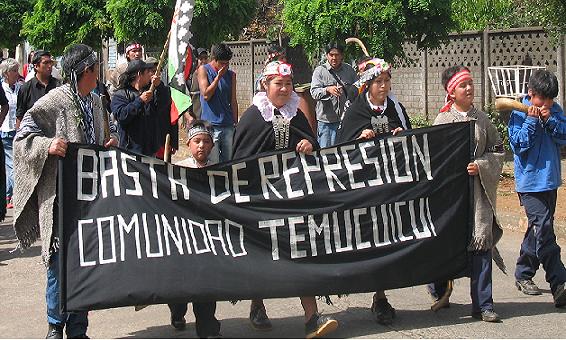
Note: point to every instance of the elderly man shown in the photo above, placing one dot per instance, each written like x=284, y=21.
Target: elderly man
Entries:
x=38, y=86
x=70, y=113
x=332, y=89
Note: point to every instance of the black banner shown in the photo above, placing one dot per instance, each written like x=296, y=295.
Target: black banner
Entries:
x=387, y=213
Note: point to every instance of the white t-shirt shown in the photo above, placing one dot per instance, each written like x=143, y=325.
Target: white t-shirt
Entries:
x=12, y=96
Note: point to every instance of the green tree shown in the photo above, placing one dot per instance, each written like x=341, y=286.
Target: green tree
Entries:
x=482, y=14
x=148, y=22
x=502, y=14
x=551, y=14
x=11, y=13
x=383, y=25
x=55, y=24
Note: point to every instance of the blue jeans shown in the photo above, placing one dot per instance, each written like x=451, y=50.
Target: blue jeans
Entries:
x=8, y=141
x=327, y=133
x=76, y=323
x=223, y=137
x=539, y=244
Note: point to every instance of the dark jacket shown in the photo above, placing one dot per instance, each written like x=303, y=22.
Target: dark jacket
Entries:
x=358, y=118
x=141, y=127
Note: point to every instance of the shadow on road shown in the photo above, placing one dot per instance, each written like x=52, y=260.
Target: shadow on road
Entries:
x=6, y=254
x=358, y=322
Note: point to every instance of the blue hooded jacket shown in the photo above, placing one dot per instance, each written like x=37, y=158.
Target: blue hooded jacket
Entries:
x=536, y=148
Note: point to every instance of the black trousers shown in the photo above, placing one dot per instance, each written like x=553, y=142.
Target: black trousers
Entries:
x=206, y=323
x=539, y=244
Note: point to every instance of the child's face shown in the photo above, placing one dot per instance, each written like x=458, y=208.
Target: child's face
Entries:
x=463, y=94
x=540, y=101
x=200, y=147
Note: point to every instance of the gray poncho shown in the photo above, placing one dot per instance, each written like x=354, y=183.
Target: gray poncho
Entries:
x=489, y=157
x=35, y=172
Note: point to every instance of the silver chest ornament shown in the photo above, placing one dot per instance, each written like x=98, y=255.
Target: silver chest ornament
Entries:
x=281, y=130
x=380, y=124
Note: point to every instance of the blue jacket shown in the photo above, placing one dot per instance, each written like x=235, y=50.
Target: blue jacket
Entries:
x=536, y=149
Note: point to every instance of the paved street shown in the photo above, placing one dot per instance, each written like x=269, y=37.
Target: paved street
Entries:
x=22, y=308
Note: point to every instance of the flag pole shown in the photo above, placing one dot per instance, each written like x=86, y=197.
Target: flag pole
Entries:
x=161, y=59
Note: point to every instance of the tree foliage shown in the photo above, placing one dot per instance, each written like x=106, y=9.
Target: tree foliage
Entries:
x=551, y=14
x=11, y=13
x=502, y=14
x=55, y=24
x=144, y=21
x=482, y=14
x=383, y=25
x=148, y=22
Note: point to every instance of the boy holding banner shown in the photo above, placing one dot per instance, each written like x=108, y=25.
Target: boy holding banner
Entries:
x=69, y=113
x=485, y=168
x=275, y=122
x=199, y=141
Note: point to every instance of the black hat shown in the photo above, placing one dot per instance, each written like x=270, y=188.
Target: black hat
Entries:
x=201, y=50
x=136, y=66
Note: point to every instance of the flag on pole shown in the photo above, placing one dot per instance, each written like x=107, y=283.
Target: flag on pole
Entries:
x=181, y=61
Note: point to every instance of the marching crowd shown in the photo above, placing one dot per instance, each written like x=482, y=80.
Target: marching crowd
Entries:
x=41, y=115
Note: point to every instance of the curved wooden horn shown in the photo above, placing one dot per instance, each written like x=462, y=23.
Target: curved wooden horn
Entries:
x=508, y=104
x=360, y=43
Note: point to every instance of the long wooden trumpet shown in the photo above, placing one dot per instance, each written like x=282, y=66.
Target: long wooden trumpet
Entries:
x=360, y=43
x=508, y=104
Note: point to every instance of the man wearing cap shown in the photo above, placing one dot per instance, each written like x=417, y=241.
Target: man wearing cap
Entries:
x=135, y=109
x=332, y=88
x=38, y=86
x=70, y=113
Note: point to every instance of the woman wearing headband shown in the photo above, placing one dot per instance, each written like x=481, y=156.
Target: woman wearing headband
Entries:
x=375, y=111
x=274, y=122
x=485, y=169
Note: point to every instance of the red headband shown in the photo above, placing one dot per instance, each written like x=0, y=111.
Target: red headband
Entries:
x=456, y=80
x=133, y=47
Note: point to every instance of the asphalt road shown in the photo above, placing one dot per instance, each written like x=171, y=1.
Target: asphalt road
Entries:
x=22, y=308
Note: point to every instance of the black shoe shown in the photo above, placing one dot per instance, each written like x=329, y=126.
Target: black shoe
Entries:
x=560, y=296
x=384, y=313
x=487, y=315
x=259, y=319
x=54, y=332
x=82, y=336
x=319, y=325
x=528, y=287
x=178, y=323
